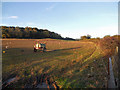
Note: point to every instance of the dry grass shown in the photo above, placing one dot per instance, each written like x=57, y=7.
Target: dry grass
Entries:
x=66, y=62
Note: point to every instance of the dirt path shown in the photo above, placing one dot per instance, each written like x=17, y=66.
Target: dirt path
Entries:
x=111, y=81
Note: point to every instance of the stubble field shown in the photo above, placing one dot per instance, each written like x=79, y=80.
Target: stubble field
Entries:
x=65, y=64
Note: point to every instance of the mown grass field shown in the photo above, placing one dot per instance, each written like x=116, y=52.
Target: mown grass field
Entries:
x=69, y=64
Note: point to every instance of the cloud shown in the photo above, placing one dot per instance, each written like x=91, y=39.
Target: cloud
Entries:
x=51, y=7
x=13, y=17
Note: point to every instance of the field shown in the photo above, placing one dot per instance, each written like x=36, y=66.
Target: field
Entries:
x=65, y=64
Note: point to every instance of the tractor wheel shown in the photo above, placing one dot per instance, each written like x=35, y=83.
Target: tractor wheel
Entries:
x=43, y=49
x=35, y=50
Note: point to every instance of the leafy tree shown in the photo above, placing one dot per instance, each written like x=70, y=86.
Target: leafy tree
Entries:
x=28, y=32
x=98, y=38
x=83, y=37
x=88, y=36
x=106, y=36
x=18, y=33
x=3, y=36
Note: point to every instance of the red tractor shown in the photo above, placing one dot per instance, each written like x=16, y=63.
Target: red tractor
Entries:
x=39, y=46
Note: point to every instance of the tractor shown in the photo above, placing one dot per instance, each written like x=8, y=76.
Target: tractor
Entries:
x=39, y=46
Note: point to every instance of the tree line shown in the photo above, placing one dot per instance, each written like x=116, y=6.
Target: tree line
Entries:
x=28, y=33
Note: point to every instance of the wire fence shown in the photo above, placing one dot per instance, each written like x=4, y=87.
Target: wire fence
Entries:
x=115, y=62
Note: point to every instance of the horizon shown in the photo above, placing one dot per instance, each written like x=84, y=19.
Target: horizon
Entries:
x=67, y=19
x=60, y=34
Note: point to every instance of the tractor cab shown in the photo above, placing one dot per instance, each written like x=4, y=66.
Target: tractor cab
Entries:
x=40, y=46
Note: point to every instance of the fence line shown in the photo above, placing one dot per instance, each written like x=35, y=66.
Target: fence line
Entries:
x=111, y=80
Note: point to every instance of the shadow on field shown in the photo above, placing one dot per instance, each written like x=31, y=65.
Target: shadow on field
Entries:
x=64, y=49
x=19, y=51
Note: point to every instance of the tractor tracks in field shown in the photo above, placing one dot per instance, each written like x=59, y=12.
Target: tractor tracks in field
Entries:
x=42, y=81
x=85, y=62
x=90, y=55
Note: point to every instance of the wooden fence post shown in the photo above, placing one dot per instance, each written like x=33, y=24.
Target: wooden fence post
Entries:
x=108, y=68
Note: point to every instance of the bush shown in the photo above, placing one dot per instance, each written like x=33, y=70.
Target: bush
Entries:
x=108, y=45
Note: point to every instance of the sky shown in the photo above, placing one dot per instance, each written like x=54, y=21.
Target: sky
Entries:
x=70, y=19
